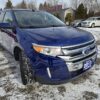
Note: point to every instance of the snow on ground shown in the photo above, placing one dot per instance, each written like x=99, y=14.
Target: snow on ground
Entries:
x=94, y=31
x=86, y=87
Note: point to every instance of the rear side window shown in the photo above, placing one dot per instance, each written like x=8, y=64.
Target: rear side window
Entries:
x=98, y=18
x=1, y=16
x=8, y=18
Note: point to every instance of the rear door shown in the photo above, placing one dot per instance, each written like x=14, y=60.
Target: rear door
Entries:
x=98, y=21
x=8, y=35
x=95, y=21
x=1, y=20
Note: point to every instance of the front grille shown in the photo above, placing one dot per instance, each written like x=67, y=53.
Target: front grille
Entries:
x=80, y=52
x=79, y=46
x=84, y=58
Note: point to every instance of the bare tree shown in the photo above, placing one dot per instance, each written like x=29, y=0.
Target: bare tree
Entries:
x=98, y=5
x=22, y=5
x=92, y=5
x=53, y=2
x=32, y=4
x=75, y=3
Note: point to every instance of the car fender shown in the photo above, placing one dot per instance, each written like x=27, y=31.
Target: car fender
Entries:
x=16, y=45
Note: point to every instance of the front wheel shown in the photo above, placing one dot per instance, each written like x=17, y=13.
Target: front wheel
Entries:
x=25, y=69
x=93, y=25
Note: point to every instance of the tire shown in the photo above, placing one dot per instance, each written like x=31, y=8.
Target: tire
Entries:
x=93, y=25
x=25, y=69
x=80, y=25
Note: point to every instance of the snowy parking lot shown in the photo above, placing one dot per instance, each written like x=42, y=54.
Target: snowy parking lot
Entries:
x=86, y=87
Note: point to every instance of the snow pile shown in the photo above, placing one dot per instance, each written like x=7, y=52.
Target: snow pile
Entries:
x=94, y=31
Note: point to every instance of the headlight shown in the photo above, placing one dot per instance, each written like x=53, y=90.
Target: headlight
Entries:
x=52, y=51
x=89, y=22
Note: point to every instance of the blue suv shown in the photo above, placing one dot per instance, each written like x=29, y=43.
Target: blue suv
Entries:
x=48, y=51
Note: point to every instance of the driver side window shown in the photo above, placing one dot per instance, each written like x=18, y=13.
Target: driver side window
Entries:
x=8, y=18
x=1, y=16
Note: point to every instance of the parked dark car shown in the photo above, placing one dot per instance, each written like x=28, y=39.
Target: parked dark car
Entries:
x=77, y=23
x=48, y=51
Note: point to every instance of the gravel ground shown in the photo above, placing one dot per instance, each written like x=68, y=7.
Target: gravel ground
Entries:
x=86, y=87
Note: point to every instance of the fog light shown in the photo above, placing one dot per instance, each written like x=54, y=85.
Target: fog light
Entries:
x=74, y=67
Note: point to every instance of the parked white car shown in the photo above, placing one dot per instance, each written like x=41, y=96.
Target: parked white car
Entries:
x=91, y=22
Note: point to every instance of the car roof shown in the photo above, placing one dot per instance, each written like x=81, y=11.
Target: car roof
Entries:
x=19, y=9
x=22, y=10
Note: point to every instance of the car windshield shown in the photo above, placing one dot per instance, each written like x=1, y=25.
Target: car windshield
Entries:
x=31, y=19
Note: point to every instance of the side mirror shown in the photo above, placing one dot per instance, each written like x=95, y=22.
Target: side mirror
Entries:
x=6, y=25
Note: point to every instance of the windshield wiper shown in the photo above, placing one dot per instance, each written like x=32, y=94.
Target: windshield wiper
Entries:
x=29, y=27
x=42, y=26
x=56, y=25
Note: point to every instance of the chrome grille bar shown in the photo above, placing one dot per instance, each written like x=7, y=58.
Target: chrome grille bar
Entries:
x=77, y=50
x=81, y=61
x=78, y=53
x=82, y=44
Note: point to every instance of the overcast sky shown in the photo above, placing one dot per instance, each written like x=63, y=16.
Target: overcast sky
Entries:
x=65, y=2
x=2, y=2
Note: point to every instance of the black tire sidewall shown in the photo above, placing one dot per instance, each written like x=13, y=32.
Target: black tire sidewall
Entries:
x=23, y=68
x=93, y=25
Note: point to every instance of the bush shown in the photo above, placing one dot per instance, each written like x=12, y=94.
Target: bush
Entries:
x=69, y=18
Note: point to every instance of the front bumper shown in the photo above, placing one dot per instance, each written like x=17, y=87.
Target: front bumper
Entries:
x=59, y=72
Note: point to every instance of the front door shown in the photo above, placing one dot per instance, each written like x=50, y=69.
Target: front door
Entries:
x=7, y=34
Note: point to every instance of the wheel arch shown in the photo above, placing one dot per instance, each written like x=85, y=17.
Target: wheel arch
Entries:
x=16, y=52
x=93, y=23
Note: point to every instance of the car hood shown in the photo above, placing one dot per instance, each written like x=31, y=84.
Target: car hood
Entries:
x=88, y=21
x=57, y=36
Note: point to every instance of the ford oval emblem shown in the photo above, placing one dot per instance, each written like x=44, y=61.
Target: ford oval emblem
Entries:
x=86, y=51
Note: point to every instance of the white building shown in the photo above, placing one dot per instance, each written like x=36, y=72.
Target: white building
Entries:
x=58, y=10
x=63, y=13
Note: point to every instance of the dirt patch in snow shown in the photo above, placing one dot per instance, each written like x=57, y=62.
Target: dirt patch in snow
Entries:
x=82, y=78
x=7, y=71
x=98, y=42
x=1, y=48
x=99, y=85
x=62, y=90
x=2, y=73
x=27, y=89
x=90, y=95
x=8, y=87
x=3, y=98
x=98, y=61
